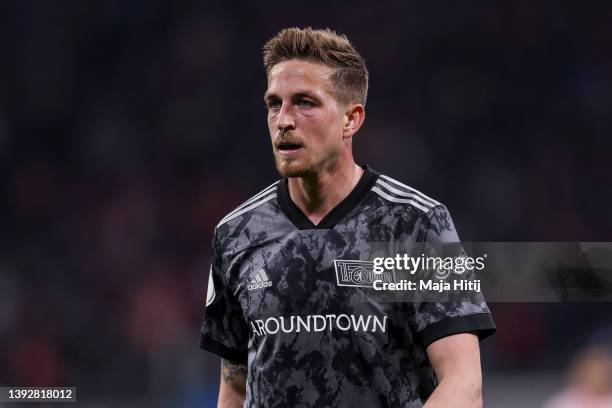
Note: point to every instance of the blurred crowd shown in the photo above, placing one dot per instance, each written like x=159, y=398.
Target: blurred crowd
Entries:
x=128, y=129
x=589, y=381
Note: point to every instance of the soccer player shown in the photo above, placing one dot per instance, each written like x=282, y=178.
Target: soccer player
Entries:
x=289, y=327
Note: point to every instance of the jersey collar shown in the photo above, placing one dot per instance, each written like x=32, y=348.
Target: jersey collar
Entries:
x=301, y=221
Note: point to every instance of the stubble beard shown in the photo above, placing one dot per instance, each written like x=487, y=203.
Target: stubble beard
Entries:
x=294, y=168
x=306, y=167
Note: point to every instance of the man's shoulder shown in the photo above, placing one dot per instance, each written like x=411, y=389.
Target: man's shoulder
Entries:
x=395, y=193
x=253, y=204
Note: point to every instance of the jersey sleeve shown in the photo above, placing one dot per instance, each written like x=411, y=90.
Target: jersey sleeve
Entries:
x=224, y=330
x=459, y=312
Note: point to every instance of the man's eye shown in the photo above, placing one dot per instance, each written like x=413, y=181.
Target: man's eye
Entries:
x=273, y=105
x=306, y=103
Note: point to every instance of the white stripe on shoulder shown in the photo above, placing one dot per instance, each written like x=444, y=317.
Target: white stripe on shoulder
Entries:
x=401, y=193
x=397, y=183
x=235, y=214
x=254, y=198
x=400, y=200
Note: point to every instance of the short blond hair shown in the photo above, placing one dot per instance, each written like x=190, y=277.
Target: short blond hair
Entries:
x=349, y=78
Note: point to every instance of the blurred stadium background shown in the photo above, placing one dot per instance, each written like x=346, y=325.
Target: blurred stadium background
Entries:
x=129, y=128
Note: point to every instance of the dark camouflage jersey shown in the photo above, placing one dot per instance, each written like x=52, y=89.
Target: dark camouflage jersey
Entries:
x=279, y=300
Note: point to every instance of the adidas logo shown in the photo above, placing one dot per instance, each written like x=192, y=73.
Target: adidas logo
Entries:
x=260, y=280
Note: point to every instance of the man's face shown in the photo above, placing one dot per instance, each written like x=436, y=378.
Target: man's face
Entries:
x=305, y=120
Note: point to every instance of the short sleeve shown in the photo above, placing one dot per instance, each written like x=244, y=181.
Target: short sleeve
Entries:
x=224, y=330
x=462, y=311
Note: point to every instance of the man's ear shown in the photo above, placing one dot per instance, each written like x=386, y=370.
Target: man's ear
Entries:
x=353, y=119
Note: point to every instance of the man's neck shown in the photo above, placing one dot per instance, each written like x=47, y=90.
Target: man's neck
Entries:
x=318, y=194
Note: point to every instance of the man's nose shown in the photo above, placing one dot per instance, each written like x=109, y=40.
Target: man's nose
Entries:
x=285, y=118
